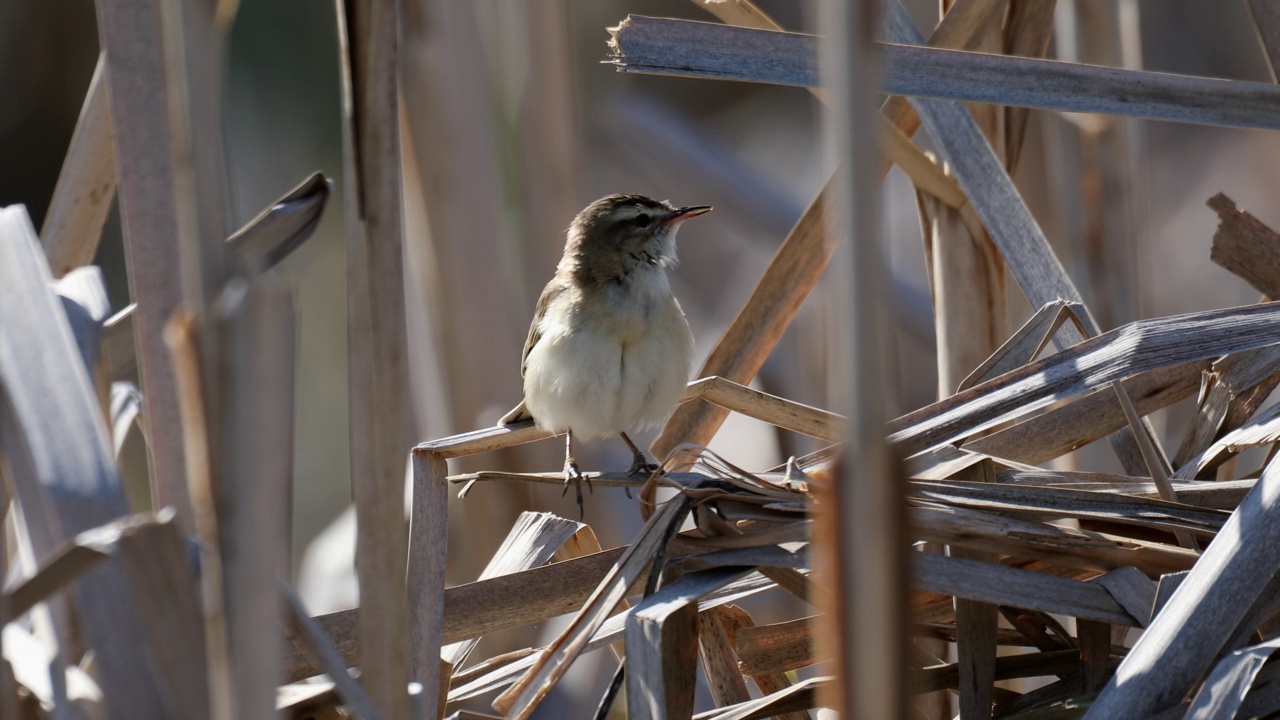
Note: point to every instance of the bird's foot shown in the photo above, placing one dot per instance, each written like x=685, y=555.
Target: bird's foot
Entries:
x=572, y=474
x=640, y=465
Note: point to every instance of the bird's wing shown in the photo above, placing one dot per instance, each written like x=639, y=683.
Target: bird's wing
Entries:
x=553, y=289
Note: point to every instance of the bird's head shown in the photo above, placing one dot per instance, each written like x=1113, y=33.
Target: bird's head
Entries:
x=628, y=232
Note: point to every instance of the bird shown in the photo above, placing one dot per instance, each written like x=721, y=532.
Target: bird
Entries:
x=609, y=349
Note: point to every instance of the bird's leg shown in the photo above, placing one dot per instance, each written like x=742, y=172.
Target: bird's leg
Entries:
x=640, y=465
x=573, y=474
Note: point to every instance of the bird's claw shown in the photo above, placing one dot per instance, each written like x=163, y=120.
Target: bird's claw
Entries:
x=572, y=474
x=641, y=466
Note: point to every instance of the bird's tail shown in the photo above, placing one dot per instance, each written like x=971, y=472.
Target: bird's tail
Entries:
x=519, y=413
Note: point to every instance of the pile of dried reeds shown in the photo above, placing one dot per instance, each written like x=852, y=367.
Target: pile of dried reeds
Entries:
x=1148, y=592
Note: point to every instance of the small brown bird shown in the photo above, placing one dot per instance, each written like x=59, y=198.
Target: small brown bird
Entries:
x=609, y=348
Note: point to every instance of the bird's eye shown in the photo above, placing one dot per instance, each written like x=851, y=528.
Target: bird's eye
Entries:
x=641, y=220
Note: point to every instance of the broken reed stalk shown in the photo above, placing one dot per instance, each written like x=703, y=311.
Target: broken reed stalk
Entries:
x=62, y=467
x=144, y=150
x=966, y=279
x=860, y=543
x=257, y=360
x=376, y=332
x=87, y=185
x=707, y=50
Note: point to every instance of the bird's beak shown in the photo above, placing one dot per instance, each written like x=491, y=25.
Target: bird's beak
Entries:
x=689, y=211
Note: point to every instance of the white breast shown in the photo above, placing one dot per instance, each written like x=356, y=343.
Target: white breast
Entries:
x=610, y=362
